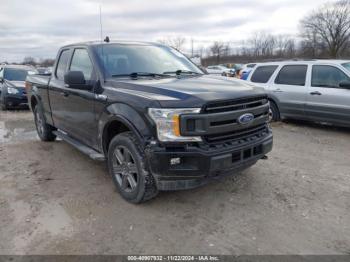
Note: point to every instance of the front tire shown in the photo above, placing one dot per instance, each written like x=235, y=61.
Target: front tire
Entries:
x=274, y=113
x=128, y=168
x=44, y=130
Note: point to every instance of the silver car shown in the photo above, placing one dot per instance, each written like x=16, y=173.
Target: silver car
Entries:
x=316, y=90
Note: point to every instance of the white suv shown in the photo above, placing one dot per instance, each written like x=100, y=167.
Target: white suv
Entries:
x=316, y=90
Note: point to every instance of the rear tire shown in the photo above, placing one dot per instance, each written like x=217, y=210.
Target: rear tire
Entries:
x=274, y=113
x=128, y=168
x=44, y=130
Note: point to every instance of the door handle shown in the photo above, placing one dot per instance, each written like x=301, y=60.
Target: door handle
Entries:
x=65, y=94
x=316, y=93
x=277, y=90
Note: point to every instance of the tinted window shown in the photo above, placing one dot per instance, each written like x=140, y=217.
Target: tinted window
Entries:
x=347, y=66
x=292, y=75
x=327, y=76
x=120, y=59
x=62, y=64
x=263, y=73
x=13, y=74
x=81, y=62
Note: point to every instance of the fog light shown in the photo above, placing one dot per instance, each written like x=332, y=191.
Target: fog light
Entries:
x=175, y=161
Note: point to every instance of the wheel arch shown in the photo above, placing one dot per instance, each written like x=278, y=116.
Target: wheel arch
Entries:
x=116, y=125
x=119, y=118
x=274, y=100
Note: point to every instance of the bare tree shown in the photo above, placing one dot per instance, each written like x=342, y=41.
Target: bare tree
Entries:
x=28, y=60
x=262, y=44
x=177, y=42
x=47, y=62
x=285, y=46
x=329, y=24
x=217, y=50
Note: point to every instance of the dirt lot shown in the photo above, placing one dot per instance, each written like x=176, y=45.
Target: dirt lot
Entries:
x=54, y=200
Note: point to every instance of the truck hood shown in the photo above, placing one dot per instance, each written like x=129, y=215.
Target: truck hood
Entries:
x=193, y=91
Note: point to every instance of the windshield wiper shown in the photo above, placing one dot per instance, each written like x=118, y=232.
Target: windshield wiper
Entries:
x=137, y=74
x=180, y=72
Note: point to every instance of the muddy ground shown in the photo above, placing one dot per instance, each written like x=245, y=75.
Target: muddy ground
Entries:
x=55, y=200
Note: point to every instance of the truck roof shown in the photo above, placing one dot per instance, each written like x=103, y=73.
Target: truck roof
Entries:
x=120, y=42
x=310, y=61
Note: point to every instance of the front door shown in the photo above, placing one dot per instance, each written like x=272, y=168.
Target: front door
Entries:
x=81, y=123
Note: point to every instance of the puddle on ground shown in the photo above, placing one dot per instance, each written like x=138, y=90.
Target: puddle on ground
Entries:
x=17, y=130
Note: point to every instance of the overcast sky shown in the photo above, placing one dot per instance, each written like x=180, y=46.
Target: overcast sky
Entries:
x=39, y=27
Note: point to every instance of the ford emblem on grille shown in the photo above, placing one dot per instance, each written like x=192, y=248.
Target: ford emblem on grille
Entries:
x=246, y=118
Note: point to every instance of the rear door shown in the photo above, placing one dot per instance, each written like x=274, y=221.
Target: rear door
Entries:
x=326, y=100
x=289, y=89
x=57, y=94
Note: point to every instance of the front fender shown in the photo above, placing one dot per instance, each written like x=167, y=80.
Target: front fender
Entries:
x=127, y=115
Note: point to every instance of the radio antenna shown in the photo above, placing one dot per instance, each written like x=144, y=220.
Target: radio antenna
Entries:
x=101, y=33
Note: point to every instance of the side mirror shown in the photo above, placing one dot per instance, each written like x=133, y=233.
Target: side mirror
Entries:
x=76, y=80
x=345, y=84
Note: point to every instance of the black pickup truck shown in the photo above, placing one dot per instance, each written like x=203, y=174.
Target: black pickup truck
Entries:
x=158, y=120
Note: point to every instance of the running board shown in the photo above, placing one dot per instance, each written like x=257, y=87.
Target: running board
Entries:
x=82, y=148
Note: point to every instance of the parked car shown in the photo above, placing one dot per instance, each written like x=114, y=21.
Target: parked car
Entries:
x=12, y=85
x=44, y=70
x=220, y=70
x=160, y=123
x=316, y=90
x=246, y=70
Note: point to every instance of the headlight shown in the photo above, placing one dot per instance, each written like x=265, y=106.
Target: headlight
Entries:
x=12, y=90
x=168, y=124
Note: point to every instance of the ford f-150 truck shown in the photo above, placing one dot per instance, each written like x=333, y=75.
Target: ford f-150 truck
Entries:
x=154, y=116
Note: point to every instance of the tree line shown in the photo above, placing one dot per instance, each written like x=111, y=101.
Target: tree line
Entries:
x=324, y=33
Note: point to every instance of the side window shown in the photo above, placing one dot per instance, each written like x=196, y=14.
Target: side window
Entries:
x=62, y=64
x=2, y=72
x=81, y=62
x=327, y=76
x=262, y=74
x=294, y=75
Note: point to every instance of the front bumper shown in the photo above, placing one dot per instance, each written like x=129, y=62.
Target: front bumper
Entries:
x=190, y=167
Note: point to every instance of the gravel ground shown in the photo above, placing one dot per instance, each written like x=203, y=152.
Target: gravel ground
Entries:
x=55, y=200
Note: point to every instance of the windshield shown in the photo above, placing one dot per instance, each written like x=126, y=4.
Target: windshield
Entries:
x=14, y=74
x=347, y=66
x=120, y=59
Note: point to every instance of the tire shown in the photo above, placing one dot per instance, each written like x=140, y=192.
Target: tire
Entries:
x=128, y=168
x=274, y=113
x=44, y=130
x=3, y=106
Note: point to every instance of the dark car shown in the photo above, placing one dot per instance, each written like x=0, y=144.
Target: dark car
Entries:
x=12, y=85
x=158, y=121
